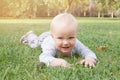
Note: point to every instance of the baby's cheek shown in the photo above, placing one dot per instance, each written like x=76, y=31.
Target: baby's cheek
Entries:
x=72, y=44
x=58, y=44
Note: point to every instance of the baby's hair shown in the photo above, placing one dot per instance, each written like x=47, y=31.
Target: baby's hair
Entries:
x=62, y=19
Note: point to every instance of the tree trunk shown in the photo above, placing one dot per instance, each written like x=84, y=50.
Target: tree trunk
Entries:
x=69, y=5
x=112, y=14
x=99, y=14
x=90, y=8
x=84, y=13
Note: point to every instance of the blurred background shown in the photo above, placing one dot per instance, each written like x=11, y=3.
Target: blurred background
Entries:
x=50, y=8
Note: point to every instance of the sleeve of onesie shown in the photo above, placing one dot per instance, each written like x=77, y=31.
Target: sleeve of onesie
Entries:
x=48, y=51
x=83, y=50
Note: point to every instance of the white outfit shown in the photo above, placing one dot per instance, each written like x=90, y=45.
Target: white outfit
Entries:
x=35, y=41
x=49, y=50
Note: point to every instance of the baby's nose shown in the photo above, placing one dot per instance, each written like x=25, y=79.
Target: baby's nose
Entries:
x=65, y=42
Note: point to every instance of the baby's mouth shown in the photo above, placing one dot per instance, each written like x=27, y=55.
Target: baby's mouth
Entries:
x=65, y=47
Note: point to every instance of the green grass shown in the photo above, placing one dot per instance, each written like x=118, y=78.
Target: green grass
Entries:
x=20, y=62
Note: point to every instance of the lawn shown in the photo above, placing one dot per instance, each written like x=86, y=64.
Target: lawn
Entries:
x=20, y=62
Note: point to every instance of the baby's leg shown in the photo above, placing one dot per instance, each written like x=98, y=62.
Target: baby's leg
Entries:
x=43, y=36
x=31, y=39
x=24, y=38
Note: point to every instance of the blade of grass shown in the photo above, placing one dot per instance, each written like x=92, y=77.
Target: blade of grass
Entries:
x=29, y=75
x=5, y=73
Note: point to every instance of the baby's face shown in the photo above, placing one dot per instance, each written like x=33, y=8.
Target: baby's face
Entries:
x=64, y=39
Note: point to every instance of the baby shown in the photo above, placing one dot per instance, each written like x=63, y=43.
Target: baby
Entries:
x=61, y=40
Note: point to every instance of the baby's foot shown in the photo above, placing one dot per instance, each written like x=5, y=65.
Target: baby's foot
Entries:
x=24, y=38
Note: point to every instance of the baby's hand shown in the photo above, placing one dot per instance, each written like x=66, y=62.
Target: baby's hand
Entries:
x=59, y=63
x=88, y=62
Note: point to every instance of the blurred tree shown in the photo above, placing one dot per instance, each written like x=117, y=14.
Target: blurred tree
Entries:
x=85, y=6
x=100, y=4
x=108, y=6
x=112, y=6
x=39, y=8
x=91, y=6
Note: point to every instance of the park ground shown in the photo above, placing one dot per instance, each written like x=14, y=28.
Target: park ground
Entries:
x=20, y=62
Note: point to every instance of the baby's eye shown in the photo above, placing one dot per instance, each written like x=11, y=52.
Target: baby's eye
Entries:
x=59, y=38
x=71, y=37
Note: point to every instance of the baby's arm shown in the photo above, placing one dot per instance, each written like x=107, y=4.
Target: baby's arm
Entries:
x=90, y=58
x=58, y=62
x=50, y=60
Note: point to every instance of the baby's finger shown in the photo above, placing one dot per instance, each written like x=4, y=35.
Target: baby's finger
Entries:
x=69, y=65
x=64, y=65
x=82, y=62
x=86, y=64
x=91, y=65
